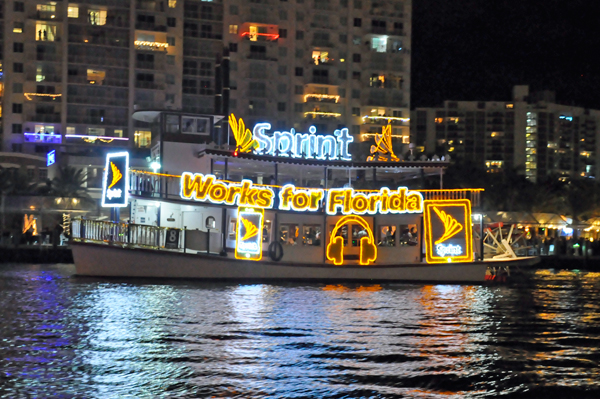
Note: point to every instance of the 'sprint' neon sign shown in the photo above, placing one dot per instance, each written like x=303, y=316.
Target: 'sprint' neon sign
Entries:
x=292, y=144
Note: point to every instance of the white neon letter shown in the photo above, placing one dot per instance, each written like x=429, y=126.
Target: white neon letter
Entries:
x=264, y=141
x=344, y=138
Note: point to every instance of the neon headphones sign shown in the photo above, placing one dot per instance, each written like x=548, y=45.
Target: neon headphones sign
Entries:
x=291, y=144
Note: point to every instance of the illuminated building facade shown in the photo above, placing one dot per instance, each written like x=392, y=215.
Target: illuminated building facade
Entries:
x=75, y=73
x=531, y=132
x=326, y=63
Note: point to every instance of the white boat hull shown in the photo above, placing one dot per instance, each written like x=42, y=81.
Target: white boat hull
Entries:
x=113, y=261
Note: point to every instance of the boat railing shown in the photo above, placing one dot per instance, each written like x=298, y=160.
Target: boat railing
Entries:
x=118, y=233
x=158, y=185
x=473, y=194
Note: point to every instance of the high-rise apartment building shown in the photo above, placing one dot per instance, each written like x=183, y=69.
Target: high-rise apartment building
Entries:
x=327, y=63
x=531, y=133
x=74, y=73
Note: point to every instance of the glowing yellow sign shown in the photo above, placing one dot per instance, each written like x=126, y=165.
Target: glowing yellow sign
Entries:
x=30, y=223
x=448, y=235
x=299, y=200
x=385, y=201
x=243, y=136
x=383, y=151
x=207, y=188
x=248, y=242
x=251, y=230
x=116, y=175
x=335, y=247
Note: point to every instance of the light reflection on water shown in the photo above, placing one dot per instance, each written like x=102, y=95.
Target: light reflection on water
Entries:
x=79, y=337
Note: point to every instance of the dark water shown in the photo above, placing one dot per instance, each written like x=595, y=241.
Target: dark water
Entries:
x=64, y=337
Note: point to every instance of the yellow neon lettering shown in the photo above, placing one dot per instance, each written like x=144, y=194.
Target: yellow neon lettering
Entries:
x=373, y=199
x=414, y=202
x=217, y=192
x=315, y=197
x=265, y=198
x=286, y=194
x=301, y=200
x=347, y=201
x=334, y=200
x=360, y=203
x=231, y=195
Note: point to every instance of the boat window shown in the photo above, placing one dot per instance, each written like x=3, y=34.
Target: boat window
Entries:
x=232, y=226
x=342, y=232
x=311, y=234
x=266, y=234
x=358, y=232
x=408, y=234
x=288, y=234
x=387, y=236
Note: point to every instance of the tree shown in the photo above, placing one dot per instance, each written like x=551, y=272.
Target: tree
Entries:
x=70, y=183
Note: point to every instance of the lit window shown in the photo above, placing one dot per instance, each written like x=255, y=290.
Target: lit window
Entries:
x=73, y=12
x=379, y=44
x=405, y=140
x=509, y=106
x=95, y=76
x=320, y=57
x=40, y=76
x=97, y=17
x=143, y=138
x=18, y=27
x=46, y=11
x=70, y=130
x=233, y=29
x=253, y=33
x=45, y=32
x=172, y=3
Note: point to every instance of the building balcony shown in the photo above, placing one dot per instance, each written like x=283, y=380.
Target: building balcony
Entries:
x=321, y=98
x=151, y=46
x=385, y=120
x=42, y=138
x=322, y=115
x=260, y=37
x=42, y=97
x=86, y=139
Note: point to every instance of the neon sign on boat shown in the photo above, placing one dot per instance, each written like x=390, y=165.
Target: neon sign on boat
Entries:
x=290, y=143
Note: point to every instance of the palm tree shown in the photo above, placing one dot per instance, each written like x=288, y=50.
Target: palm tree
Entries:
x=70, y=183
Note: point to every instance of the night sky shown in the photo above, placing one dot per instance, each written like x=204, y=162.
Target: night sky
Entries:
x=480, y=49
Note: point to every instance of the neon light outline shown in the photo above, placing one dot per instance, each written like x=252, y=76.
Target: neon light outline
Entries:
x=297, y=145
x=314, y=197
x=105, y=182
x=381, y=206
x=366, y=243
x=429, y=213
x=241, y=254
x=236, y=193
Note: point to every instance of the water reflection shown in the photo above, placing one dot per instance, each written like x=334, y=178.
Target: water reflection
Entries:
x=70, y=337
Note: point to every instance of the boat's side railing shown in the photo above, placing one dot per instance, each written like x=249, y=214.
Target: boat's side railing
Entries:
x=473, y=194
x=101, y=231
x=156, y=185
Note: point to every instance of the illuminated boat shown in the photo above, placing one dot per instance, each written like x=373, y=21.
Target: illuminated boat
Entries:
x=282, y=205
